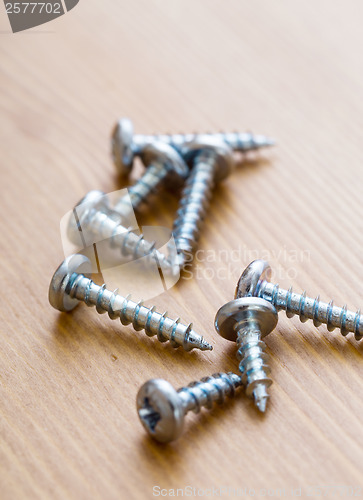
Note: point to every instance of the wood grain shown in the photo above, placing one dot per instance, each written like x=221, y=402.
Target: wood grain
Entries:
x=68, y=383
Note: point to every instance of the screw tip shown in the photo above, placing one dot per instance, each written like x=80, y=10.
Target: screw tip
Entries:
x=264, y=142
x=270, y=141
x=261, y=396
x=205, y=346
x=195, y=341
x=261, y=404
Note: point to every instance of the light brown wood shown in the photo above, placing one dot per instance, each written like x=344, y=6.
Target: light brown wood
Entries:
x=68, y=383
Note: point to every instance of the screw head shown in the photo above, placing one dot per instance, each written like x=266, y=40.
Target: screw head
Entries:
x=224, y=154
x=58, y=297
x=121, y=146
x=257, y=271
x=246, y=309
x=93, y=200
x=167, y=155
x=160, y=411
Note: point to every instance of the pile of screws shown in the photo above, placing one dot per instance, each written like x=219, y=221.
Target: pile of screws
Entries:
x=199, y=161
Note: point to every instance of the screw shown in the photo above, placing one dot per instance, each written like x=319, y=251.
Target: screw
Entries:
x=212, y=161
x=92, y=219
x=247, y=321
x=255, y=282
x=126, y=145
x=162, y=161
x=71, y=284
x=161, y=408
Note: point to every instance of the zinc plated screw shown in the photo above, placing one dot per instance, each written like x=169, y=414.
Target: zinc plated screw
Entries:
x=70, y=285
x=162, y=409
x=162, y=161
x=247, y=321
x=255, y=282
x=94, y=219
x=126, y=145
x=212, y=162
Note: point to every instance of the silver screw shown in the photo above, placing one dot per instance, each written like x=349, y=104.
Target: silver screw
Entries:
x=247, y=321
x=126, y=145
x=92, y=220
x=162, y=409
x=255, y=282
x=212, y=161
x=162, y=161
x=70, y=285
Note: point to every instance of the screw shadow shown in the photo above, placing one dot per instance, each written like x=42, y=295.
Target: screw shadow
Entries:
x=298, y=334
x=199, y=428
x=250, y=160
x=245, y=162
x=70, y=330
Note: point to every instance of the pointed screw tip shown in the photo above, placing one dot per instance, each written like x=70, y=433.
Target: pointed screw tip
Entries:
x=261, y=404
x=205, y=346
x=269, y=141
x=262, y=141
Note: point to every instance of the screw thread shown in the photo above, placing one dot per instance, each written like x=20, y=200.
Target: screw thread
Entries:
x=103, y=226
x=208, y=391
x=253, y=364
x=309, y=308
x=237, y=141
x=135, y=313
x=194, y=204
x=139, y=192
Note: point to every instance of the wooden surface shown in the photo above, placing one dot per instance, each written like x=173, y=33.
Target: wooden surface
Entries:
x=68, y=383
